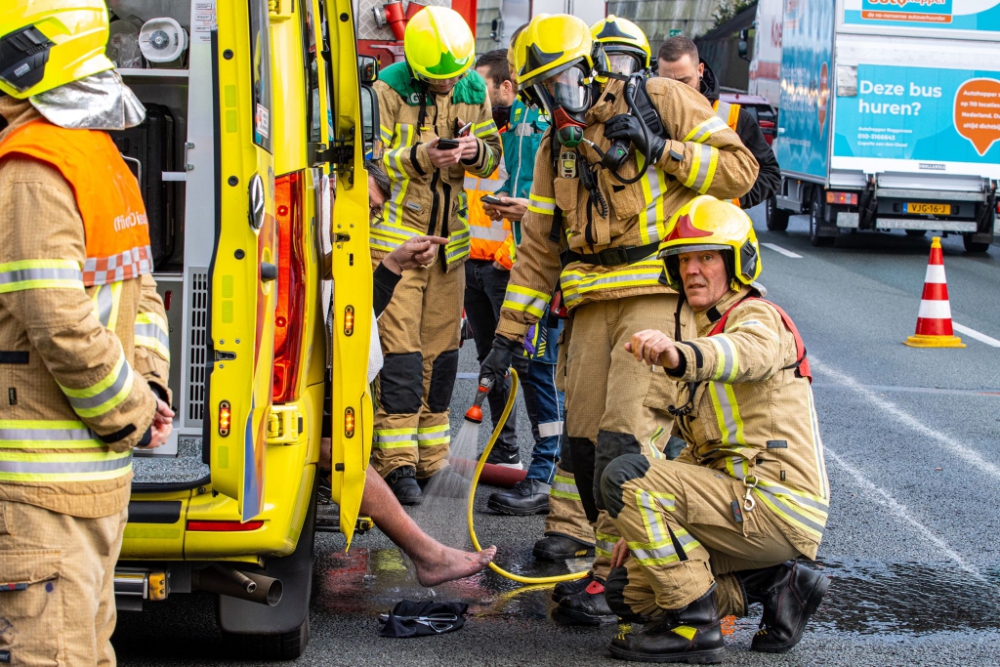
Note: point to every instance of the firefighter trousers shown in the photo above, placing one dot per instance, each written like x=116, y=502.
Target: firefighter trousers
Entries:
x=605, y=391
x=57, y=597
x=420, y=336
x=687, y=528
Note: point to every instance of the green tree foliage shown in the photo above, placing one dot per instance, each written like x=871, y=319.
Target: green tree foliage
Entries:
x=727, y=9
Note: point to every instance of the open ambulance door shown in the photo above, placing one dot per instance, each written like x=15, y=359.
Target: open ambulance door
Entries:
x=244, y=265
x=352, y=410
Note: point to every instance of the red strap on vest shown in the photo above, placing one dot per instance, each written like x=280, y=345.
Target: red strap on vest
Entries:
x=801, y=366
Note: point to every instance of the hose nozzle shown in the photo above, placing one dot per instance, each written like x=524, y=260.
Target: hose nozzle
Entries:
x=475, y=413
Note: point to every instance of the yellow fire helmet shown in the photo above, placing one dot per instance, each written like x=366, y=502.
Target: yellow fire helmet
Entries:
x=551, y=44
x=623, y=40
x=45, y=44
x=439, y=44
x=707, y=223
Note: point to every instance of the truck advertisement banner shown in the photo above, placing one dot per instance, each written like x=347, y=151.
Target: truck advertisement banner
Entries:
x=972, y=15
x=806, y=78
x=924, y=115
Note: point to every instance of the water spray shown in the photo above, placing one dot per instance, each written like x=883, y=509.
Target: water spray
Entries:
x=473, y=418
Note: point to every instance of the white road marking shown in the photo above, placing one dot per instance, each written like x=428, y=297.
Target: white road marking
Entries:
x=960, y=450
x=882, y=497
x=972, y=333
x=778, y=248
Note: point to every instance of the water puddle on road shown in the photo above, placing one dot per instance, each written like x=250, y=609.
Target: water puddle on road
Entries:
x=866, y=597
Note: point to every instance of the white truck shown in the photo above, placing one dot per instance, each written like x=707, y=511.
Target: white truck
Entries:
x=765, y=65
x=889, y=117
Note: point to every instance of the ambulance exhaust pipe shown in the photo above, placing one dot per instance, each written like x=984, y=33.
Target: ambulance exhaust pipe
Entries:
x=249, y=586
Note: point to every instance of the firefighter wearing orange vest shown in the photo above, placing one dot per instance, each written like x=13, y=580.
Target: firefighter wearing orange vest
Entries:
x=678, y=59
x=78, y=308
x=720, y=527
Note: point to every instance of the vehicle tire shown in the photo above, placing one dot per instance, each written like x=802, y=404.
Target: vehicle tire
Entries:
x=253, y=642
x=776, y=218
x=916, y=232
x=816, y=211
x=974, y=246
x=285, y=646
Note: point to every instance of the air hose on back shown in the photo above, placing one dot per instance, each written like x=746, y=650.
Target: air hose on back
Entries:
x=475, y=414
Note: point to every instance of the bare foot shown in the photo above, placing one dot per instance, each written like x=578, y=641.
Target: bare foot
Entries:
x=451, y=564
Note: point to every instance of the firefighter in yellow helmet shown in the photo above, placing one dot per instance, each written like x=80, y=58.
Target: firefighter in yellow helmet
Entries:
x=720, y=527
x=424, y=102
x=82, y=329
x=605, y=211
x=624, y=43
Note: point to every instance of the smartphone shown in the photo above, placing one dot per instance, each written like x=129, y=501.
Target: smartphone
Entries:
x=491, y=200
x=464, y=129
x=447, y=144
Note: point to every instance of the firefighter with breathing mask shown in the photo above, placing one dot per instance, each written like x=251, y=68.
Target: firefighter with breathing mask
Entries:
x=83, y=333
x=609, y=213
x=720, y=527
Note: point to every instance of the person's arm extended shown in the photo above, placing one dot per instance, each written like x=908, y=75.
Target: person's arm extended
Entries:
x=42, y=253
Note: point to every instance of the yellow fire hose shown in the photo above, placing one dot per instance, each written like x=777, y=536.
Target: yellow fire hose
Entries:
x=472, y=498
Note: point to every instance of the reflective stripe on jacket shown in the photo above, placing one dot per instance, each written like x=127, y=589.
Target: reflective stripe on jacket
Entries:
x=705, y=156
x=73, y=257
x=745, y=410
x=730, y=114
x=487, y=235
x=425, y=199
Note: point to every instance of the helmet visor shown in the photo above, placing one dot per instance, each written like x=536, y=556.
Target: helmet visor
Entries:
x=566, y=90
x=684, y=249
x=623, y=63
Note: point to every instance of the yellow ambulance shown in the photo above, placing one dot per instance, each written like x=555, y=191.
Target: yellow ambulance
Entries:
x=251, y=164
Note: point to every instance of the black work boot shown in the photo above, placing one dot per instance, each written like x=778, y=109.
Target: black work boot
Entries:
x=567, y=588
x=529, y=496
x=588, y=607
x=561, y=547
x=403, y=482
x=445, y=483
x=790, y=593
x=691, y=635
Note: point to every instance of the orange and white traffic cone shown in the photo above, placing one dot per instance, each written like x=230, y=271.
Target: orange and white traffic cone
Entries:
x=934, y=327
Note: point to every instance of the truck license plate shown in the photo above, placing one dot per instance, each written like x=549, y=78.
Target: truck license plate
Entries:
x=923, y=208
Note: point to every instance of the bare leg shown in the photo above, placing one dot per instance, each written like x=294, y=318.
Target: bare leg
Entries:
x=435, y=563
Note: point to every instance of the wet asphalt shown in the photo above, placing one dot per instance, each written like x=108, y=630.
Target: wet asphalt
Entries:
x=913, y=541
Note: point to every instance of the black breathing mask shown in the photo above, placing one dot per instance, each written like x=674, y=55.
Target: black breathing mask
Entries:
x=567, y=97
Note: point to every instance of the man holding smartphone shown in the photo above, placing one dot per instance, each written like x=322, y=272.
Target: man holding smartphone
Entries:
x=424, y=103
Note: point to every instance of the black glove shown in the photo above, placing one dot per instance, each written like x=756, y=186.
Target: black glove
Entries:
x=627, y=126
x=495, y=365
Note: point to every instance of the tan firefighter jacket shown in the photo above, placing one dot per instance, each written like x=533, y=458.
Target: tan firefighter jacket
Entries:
x=425, y=199
x=75, y=400
x=750, y=415
x=714, y=161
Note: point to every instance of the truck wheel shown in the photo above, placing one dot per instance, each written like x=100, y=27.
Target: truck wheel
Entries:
x=285, y=646
x=776, y=218
x=974, y=246
x=816, y=211
x=256, y=632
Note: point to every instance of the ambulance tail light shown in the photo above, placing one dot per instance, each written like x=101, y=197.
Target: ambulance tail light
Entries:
x=289, y=201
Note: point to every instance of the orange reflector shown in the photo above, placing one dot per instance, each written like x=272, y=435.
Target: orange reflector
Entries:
x=224, y=526
x=225, y=418
x=349, y=320
x=843, y=198
x=349, y=422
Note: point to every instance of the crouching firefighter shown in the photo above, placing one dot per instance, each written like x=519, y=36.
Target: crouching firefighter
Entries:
x=81, y=331
x=721, y=526
x=666, y=146
x=421, y=102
